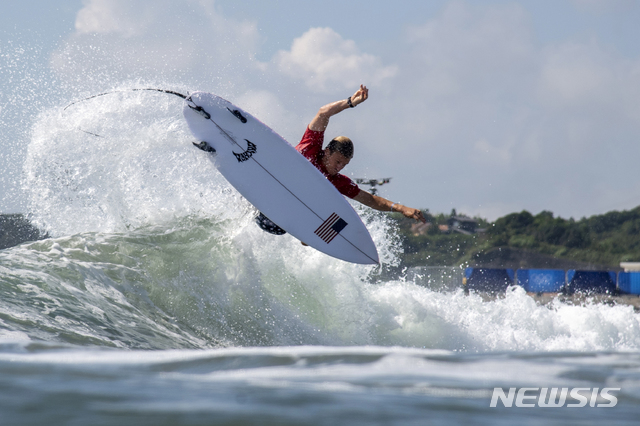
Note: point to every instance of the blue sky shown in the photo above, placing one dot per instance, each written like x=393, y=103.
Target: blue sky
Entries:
x=488, y=107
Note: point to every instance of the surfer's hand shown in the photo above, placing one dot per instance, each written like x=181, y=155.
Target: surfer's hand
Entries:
x=413, y=214
x=360, y=96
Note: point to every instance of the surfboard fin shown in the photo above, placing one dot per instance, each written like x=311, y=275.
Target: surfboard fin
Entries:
x=267, y=224
x=238, y=115
x=204, y=146
x=200, y=111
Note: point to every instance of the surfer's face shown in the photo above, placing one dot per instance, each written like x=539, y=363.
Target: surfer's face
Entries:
x=334, y=162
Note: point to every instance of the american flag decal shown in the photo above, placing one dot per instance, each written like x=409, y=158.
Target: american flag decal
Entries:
x=330, y=228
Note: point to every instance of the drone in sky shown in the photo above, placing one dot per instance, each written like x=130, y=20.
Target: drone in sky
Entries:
x=373, y=183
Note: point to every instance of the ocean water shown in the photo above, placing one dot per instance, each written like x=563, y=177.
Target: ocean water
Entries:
x=157, y=301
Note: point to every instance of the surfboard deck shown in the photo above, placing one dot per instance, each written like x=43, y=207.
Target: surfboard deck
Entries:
x=278, y=180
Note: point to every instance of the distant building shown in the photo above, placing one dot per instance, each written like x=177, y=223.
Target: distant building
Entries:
x=460, y=224
x=418, y=229
x=463, y=225
x=630, y=266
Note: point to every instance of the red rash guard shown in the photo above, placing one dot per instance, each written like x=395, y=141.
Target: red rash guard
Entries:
x=311, y=148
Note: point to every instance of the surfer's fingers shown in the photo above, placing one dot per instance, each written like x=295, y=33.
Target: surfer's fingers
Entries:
x=417, y=215
x=361, y=94
x=365, y=92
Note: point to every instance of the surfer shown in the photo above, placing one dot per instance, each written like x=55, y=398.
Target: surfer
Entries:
x=332, y=159
x=339, y=152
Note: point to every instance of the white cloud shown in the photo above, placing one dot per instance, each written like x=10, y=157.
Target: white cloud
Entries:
x=323, y=59
x=113, y=16
x=161, y=40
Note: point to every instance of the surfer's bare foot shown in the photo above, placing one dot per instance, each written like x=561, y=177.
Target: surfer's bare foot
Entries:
x=304, y=244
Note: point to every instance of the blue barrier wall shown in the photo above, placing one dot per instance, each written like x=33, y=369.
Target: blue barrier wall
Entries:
x=541, y=280
x=629, y=282
x=488, y=279
x=591, y=281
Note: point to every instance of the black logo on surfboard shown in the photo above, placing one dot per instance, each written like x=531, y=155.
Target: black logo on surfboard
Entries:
x=244, y=156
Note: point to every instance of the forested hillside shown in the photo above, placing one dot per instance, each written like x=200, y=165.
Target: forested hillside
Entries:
x=603, y=240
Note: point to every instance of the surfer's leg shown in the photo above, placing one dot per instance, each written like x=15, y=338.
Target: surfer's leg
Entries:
x=267, y=225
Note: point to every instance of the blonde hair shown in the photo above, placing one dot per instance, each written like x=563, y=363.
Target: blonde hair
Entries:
x=342, y=144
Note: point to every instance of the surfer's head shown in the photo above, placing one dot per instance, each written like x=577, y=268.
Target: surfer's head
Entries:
x=341, y=144
x=337, y=154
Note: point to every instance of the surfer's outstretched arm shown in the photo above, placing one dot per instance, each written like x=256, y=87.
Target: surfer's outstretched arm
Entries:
x=384, y=205
x=321, y=120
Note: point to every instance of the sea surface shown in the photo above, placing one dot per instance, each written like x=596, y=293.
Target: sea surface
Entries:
x=158, y=301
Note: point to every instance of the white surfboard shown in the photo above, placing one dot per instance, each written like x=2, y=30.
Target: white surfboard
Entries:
x=278, y=180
